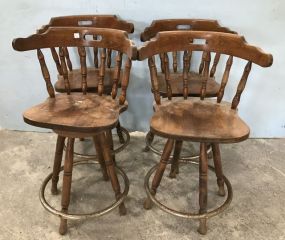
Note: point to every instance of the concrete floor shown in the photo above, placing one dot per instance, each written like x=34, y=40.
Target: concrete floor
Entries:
x=256, y=169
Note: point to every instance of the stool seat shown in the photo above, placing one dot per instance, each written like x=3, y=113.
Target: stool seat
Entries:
x=194, y=84
x=75, y=79
x=76, y=112
x=199, y=121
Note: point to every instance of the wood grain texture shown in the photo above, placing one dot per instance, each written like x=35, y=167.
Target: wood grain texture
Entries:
x=76, y=113
x=198, y=121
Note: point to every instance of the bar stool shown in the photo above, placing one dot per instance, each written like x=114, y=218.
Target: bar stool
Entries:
x=93, y=72
x=206, y=121
x=176, y=73
x=76, y=115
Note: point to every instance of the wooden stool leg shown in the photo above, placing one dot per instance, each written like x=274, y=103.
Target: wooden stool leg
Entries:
x=203, y=188
x=160, y=170
x=218, y=168
x=175, y=161
x=57, y=163
x=100, y=158
x=111, y=143
x=150, y=138
x=105, y=145
x=120, y=133
x=66, y=185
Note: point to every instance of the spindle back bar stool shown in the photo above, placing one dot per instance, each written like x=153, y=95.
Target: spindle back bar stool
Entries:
x=206, y=121
x=175, y=74
x=93, y=71
x=80, y=114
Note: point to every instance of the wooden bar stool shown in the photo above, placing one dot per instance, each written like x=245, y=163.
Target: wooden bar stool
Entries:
x=206, y=121
x=93, y=72
x=175, y=74
x=75, y=115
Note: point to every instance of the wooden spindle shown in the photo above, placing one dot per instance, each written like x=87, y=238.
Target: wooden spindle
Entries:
x=167, y=76
x=45, y=73
x=185, y=74
x=161, y=56
x=154, y=81
x=205, y=74
x=189, y=53
x=109, y=57
x=225, y=79
x=95, y=52
x=125, y=81
x=215, y=63
x=102, y=72
x=82, y=54
x=66, y=53
x=64, y=70
x=117, y=74
x=56, y=60
x=201, y=67
x=174, y=56
x=241, y=85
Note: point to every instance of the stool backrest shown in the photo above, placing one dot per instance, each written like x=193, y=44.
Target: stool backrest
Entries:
x=231, y=45
x=81, y=38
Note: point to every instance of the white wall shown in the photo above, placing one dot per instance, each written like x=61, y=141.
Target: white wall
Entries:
x=260, y=21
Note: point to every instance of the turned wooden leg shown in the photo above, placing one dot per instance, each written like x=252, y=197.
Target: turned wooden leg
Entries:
x=150, y=136
x=57, y=163
x=111, y=143
x=66, y=184
x=218, y=168
x=175, y=161
x=105, y=145
x=159, y=172
x=100, y=157
x=203, y=189
x=120, y=133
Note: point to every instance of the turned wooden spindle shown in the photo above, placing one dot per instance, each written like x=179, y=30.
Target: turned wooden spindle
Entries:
x=201, y=67
x=174, y=57
x=241, y=85
x=161, y=56
x=102, y=72
x=125, y=81
x=64, y=70
x=66, y=54
x=82, y=54
x=225, y=79
x=215, y=63
x=95, y=52
x=45, y=73
x=167, y=76
x=154, y=81
x=56, y=60
x=189, y=59
x=109, y=57
x=117, y=74
x=185, y=74
x=205, y=74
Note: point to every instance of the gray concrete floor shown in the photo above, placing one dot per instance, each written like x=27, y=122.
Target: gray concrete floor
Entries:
x=256, y=169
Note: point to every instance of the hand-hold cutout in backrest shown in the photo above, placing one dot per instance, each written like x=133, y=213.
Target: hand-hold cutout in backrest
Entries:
x=183, y=27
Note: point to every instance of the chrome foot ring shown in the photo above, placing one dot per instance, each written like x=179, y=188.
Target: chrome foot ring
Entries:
x=209, y=214
x=75, y=216
x=159, y=152
x=117, y=150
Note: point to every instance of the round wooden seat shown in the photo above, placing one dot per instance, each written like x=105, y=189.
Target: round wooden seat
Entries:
x=76, y=112
x=199, y=121
x=75, y=76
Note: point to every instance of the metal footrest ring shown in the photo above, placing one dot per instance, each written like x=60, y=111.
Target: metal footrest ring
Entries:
x=209, y=214
x=74, y=216
x=117, y=150
x=159, y=152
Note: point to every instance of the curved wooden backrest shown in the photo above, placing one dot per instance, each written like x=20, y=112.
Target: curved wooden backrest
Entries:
x=182, y=24
x=212, y=42
x=63, y=37
x=99, y=21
